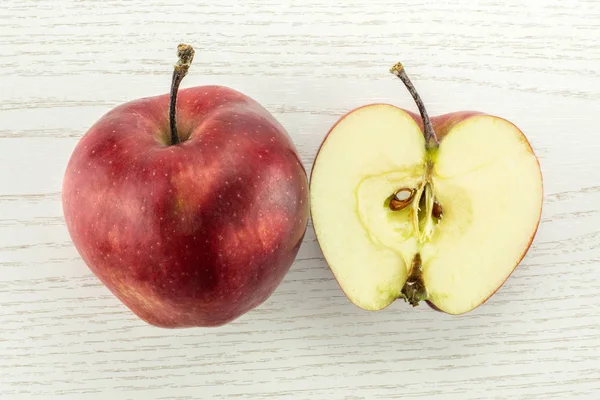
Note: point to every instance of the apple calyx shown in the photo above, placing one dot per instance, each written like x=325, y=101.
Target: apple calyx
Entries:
x=414, y=290
x=185, y=52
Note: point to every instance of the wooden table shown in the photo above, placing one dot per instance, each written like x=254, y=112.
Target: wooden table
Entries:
x=65, y=63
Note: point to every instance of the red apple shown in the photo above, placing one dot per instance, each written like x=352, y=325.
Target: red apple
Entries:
x=440, y=210
x=189, y=221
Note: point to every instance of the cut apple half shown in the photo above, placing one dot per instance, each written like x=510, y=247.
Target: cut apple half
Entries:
x=439, y=210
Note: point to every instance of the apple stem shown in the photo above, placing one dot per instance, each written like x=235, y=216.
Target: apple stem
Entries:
x=185, y=52
x=431, y=140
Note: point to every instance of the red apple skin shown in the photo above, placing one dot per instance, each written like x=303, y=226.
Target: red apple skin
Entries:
x=195, y=234
x=442, y=124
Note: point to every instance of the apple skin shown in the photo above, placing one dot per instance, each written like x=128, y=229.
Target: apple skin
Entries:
x=195, y=234
x=442, y=124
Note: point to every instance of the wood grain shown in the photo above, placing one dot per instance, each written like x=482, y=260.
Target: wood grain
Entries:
x=65, y=63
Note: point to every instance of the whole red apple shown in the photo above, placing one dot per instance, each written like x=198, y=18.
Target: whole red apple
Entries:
x=189, y=221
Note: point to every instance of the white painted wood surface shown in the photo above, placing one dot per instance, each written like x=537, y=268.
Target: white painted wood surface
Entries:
x=65, y=63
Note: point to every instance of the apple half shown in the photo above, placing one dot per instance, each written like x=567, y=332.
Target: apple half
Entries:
x=439, y=210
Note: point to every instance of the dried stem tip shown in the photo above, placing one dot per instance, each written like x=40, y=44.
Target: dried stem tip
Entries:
x=396, y=68
x=185, y=53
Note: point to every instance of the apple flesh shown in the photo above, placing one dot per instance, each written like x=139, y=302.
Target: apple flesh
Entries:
x=475, y=206
x=192, y=234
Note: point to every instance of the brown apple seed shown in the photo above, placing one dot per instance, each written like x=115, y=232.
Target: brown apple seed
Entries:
x=401, y=199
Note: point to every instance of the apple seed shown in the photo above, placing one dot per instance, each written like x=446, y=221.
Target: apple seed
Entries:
x=436, y=210
x=401, y=199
